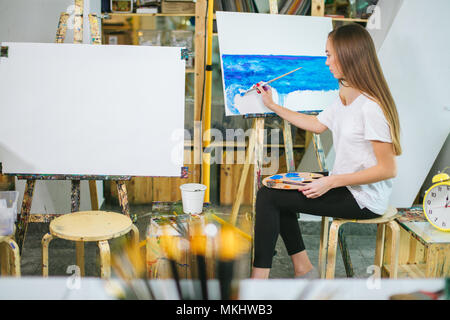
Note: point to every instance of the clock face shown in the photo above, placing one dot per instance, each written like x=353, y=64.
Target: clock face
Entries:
x=437, y=206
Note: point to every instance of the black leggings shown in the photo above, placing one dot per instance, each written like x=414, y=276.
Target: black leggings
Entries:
x=276, y=213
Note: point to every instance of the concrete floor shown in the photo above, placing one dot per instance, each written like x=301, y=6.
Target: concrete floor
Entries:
x=360, y=242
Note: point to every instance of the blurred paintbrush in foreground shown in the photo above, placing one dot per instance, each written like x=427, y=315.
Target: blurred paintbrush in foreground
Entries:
x=231, y=246
x=198, y=249
x=170, y=246
x=130, y=265
x=418, y=295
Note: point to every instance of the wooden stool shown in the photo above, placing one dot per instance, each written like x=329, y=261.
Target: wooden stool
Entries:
x=85, y=226
x=10, y=256
x=387, y=219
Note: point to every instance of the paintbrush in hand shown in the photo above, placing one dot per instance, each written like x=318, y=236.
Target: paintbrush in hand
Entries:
x=270, y=81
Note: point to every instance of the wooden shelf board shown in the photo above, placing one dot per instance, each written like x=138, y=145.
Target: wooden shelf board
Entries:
x=193, y=15
x=115, y=27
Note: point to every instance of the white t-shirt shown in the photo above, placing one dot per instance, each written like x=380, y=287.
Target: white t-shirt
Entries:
x=353, y=127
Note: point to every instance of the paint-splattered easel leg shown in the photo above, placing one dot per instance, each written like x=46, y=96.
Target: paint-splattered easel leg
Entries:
x=123, y=199
x=22, y=224
x=75, y=196
x=75, y=206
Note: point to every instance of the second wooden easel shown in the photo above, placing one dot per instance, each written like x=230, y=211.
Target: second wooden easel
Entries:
x=25, y=216
x=255, y=152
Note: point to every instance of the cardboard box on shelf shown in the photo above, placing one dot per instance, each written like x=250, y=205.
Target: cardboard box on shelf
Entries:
x=186, y=7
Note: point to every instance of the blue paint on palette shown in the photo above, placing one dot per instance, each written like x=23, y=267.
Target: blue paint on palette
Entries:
x=290, y=175
x=241, y=72
x=276, y=177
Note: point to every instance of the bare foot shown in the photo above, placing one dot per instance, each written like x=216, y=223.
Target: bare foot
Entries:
x=260, y=273
x=299, y=273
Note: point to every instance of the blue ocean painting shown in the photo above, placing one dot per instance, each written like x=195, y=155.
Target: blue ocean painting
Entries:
x=241, y=72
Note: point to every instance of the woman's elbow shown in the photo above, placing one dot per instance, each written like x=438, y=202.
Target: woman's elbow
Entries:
x=392, y=171
x=318, y=129
x=387, y=171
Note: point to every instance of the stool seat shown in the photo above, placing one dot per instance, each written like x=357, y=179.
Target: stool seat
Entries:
x=389, y=215
x=84, y=226
x=90, y=226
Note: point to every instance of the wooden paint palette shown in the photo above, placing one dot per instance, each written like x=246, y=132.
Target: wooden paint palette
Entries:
x=291, y=180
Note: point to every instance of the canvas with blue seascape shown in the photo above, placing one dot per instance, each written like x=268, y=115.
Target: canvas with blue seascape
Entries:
x=262, y=47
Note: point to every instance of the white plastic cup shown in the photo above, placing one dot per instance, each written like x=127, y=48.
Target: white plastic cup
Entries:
x=6, y=219
x=192, y=196
x=8, y=211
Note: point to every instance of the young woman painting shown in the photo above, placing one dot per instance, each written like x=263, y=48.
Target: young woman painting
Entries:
x=366, y=138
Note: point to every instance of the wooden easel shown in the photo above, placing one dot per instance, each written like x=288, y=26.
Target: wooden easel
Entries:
x=25, y=217
x=254, y=155
x=255, y=152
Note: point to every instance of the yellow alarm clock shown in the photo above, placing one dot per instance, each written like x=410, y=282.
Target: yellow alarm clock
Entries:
x=436, y=203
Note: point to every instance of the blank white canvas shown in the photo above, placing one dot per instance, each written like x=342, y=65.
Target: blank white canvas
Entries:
x=250, y=33
x=273, y=34
x=416, y=64
x=91, y=109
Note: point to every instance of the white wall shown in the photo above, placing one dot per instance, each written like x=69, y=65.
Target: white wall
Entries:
x=442, y=161
x=414, y=57
x=37, y=21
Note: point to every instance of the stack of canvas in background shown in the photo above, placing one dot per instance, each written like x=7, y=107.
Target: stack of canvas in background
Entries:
x=296, y=7
x=293, y=7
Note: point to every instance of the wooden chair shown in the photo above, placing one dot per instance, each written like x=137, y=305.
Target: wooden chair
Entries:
x=10, y=256
x=387, y=219
x=99, y=226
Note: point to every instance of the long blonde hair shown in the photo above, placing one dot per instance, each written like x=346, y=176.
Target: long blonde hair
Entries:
x=361, y=70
